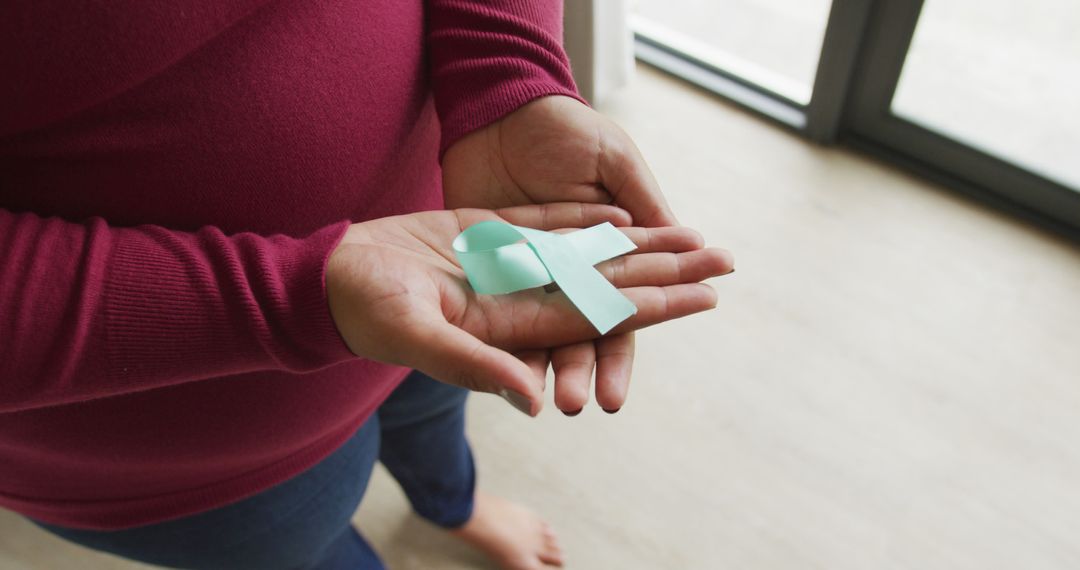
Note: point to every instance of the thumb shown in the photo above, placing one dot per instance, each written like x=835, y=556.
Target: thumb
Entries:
x=622, y=171
x=456, y=357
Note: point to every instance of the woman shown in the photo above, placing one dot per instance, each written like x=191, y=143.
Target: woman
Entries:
x=223, y=249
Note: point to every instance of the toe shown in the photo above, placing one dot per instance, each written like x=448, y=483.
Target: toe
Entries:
x=550, y=538
x=529, y=564
x=551, y=541
x=551, y=553
x=552, y=558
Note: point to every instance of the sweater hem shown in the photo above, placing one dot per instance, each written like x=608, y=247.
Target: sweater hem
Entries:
x=124, y=514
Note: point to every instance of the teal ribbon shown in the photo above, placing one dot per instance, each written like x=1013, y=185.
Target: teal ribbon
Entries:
x=496, y=261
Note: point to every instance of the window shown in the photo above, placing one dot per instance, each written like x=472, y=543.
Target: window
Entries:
x=976, y=95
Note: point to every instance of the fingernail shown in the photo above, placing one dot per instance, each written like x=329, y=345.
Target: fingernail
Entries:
x=730, y=272
x=611, y=411
x=518, y=400
x=574, y=413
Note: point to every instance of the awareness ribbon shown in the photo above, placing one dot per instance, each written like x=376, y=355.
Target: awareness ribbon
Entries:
x=496, y=261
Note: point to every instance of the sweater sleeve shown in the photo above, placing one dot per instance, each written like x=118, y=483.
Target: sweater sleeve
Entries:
x=490, y=57
x=89, y=311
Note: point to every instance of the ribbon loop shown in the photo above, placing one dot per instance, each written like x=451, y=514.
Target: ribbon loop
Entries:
x=497, y=261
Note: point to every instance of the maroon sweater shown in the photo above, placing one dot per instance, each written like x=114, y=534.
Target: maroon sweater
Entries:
x=173, y=176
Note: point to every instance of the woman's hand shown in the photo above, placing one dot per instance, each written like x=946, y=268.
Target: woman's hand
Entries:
x=397, y=295
x=556, y=149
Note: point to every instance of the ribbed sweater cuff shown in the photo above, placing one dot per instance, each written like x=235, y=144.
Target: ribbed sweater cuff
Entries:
x=184, y=306
x=487, y=108
x=490, y=57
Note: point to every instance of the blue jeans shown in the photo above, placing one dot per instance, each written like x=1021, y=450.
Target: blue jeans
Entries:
x=419, y=435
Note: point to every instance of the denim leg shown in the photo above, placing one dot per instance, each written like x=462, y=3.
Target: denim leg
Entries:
x=349, y=551
x=300, y=523
x=424, y=448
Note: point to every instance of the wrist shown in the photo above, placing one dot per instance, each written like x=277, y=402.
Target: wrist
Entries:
x=339, y=275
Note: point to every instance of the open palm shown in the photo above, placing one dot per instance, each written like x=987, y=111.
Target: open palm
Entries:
x=555, y=149
x=398, y=295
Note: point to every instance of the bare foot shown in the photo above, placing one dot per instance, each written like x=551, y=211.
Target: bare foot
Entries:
x=513, y=536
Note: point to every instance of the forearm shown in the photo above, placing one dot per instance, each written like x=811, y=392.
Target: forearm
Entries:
x=490, y=57
x=88, y=310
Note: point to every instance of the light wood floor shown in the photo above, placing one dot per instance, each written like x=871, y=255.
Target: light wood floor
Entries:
x=891, y=380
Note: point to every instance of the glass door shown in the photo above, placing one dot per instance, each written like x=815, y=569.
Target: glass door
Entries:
x=1002, y=77
x=772, y=43
x=762, y=54
x=979, y=95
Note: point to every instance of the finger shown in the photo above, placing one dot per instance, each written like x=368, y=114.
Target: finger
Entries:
x=558, y=323
x=674, y=239
x=590, y=193
x=573, y=365
x=537, y=361
x=668, y=238
x=658, y=304
x=659, y=269
x=454, y=356
x=564, y=215
x=614, y=362
x=623, y=172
